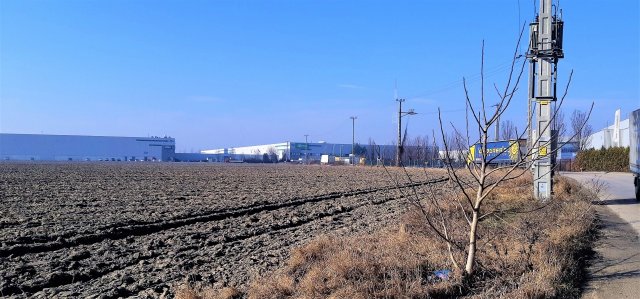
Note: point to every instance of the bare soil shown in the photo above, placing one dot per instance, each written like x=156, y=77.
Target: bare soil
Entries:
x=108, y=230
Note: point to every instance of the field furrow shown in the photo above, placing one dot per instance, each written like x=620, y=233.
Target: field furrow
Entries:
x=223, y=244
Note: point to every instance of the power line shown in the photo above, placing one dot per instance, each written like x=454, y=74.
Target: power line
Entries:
x=475, y=77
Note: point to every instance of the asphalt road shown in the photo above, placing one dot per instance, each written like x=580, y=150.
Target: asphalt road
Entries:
x=615, y=270
x=618, y=193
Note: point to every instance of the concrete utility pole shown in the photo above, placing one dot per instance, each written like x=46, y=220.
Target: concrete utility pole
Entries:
x=545, y=48
x=353, y=139
x=400, y=115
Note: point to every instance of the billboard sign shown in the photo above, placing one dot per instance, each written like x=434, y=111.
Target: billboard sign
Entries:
x=499, y=152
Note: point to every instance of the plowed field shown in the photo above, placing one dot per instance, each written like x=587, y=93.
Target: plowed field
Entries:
x=139, y=229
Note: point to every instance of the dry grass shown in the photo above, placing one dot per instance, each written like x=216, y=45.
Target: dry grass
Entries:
x=535, y=250
x=527, y=249
x=375, y=266
x=187, y=291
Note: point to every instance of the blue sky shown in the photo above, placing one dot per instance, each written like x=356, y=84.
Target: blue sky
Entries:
x=228, y=73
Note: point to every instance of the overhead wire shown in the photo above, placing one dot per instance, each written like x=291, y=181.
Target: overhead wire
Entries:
x=470, y=79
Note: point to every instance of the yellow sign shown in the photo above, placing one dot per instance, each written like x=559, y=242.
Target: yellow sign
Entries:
x=472, y=154
x=543, y=151
x=544, y=102
x=514, y=151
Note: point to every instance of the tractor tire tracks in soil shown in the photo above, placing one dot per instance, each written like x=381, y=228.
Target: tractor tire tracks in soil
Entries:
x=142, y=259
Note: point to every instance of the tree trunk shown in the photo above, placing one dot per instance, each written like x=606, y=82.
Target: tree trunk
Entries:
x=471, y=255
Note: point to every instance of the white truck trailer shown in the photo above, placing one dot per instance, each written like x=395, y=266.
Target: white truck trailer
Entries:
x=327, y=159
x=634, y=149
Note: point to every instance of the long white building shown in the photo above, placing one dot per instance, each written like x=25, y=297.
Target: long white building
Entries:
x=288, y=150
x=40, y=147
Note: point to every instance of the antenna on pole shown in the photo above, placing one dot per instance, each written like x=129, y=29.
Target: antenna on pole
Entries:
x=395, y=90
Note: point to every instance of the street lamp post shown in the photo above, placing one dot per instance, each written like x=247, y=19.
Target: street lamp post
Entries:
x=400, y=115
x=353, y=139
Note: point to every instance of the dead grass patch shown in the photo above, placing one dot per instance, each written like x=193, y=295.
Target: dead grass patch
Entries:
x=187, y=291
x=527, y=249
x=375, y=266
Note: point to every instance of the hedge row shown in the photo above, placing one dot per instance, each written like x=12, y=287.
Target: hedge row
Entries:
x=605, y=159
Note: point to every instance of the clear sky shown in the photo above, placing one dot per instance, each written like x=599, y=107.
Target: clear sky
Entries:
x=229, y=73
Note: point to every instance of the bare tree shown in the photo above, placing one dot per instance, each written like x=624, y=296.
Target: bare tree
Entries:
x=372, y=151
x=456, y=151
x=558, y=123
x=473, y=187
x=411, y=149
x=403, y=149
x=582, y=130
x=272, y=154
x=434, y=153
x=421, y=146
x=483, y=179
x=508, y=130
x=388, y=153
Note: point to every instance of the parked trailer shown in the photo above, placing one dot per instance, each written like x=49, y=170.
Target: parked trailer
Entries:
x=498, y=152
x=634, y=149
x=327, y=159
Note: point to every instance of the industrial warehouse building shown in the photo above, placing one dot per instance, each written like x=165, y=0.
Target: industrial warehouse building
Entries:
x=614, y=135
x=287, y=150
x=313, y=151
x=40, y=147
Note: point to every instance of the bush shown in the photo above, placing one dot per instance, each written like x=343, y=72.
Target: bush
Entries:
x=605, y=159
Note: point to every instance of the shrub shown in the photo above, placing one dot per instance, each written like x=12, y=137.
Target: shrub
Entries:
x=604, y=159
